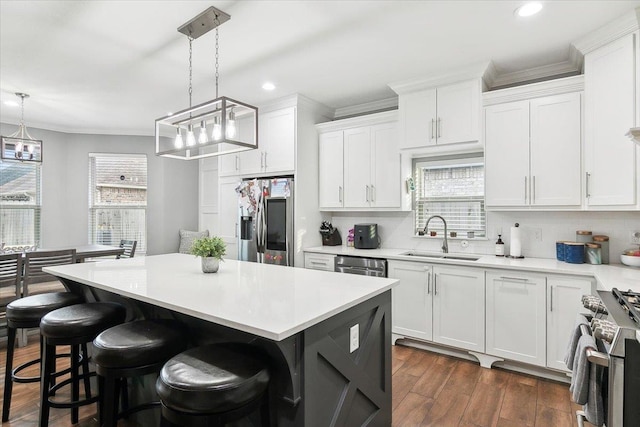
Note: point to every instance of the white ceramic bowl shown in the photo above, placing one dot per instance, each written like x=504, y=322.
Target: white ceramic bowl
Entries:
x=633, y=261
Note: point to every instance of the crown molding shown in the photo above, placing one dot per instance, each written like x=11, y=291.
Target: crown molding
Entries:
x=366, y=108
x=534, y=90
x=35, y=126
x=620, y=27
x=474, y=71
x=365, y=120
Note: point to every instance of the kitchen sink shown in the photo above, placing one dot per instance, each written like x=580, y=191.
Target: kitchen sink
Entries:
x=441, y=256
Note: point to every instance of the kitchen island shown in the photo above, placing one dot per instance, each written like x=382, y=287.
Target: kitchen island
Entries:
x=303, y=320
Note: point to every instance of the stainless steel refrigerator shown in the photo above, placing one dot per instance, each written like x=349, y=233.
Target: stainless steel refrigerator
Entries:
x=266, y=220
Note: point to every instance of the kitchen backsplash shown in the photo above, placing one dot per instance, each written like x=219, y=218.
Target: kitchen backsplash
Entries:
x=396, y=230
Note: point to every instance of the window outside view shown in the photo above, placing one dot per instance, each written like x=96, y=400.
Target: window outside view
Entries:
x=118, y=199
x=20, y=205
x=453, y=189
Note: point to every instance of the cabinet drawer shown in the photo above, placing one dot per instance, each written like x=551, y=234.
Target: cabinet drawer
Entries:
x=319, y=261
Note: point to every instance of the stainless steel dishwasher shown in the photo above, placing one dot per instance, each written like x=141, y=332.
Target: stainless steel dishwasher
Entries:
x=363, y=266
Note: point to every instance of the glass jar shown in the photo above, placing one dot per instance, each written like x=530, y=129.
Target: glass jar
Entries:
x=604, y=247
x=574, y=252
x=593, y=253
x=583, y=236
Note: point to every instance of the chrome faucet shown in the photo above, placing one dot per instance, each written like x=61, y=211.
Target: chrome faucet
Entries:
x=445, y=246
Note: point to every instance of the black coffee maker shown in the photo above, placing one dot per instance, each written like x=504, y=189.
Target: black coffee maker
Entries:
x=366, y=236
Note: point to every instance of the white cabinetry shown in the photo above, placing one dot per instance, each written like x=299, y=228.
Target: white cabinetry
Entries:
x=458, y=307
x=228, y=219
x=532, y=154
x=208, y=198
x=443, y=115
x=515, y=310
x=610, y=103
x=276, y=147
x=359, y=166
x=563, y=304
x=315, y=261
x=439, y=303
x=411, y=299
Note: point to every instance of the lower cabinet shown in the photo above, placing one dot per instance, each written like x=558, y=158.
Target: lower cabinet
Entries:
x=516, y=308
x=411, y=299
x=439, y=303
x=324, y=262
x=458, y=307
x=563, y=305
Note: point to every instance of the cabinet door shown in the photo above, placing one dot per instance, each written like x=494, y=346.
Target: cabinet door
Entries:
x=319, y=261
x=609, y=113
x=458, y=307
x=418, y=119
x=507, y=154
x=458, y=108
x=228, y=216
x=248, y=161
x=564, y=303
x=357, y=167
x=411, y=299
x=555, y=150
x=208, y=197
x=278, y=138
x=385, y=165
x=516, y=324
x=229, y=164
x=330, y=169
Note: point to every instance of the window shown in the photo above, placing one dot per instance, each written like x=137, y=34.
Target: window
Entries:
x=20, y=204
x=118, y=199
x=454, y=189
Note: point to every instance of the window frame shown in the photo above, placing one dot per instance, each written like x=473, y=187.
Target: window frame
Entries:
x=35, y=207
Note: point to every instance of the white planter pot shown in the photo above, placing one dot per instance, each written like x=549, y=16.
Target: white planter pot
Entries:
x=210, y=264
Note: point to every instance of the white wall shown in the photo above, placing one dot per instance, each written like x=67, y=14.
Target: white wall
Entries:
x=172, y=198
x=396, y=230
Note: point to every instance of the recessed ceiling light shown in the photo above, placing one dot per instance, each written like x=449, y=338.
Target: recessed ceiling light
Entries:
x=11, y=103
x=529, y=9
x=268, y=86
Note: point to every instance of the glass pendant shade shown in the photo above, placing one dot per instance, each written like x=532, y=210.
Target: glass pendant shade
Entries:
x=234, y=126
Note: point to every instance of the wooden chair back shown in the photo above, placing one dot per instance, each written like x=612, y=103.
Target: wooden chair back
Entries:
x=35, y=261
x=10, y=278
x=129, y=248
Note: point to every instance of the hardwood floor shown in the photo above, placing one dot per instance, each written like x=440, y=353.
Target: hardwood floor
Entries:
x=428, y=390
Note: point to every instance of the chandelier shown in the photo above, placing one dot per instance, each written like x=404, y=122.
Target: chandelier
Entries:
x=20, y=145
x=213, y=128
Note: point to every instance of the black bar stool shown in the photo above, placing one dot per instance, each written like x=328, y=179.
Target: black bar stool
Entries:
x=132, y=350
x=74, y=325
x=26, y=313
x=213, y=385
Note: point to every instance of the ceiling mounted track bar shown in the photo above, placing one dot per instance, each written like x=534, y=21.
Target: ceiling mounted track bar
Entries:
x=204, y=22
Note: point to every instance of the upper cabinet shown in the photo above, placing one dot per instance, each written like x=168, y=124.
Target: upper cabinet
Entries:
x=359, y=164
x=276, y=147
x=611, y=102
x=533, y=152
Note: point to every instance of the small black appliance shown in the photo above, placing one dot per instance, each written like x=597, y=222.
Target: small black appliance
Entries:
x=366, y=236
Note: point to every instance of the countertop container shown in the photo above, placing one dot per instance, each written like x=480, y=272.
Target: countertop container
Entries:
x=574, y=252
x=604, y=245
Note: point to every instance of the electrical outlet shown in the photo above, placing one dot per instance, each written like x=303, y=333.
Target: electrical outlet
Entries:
x=635, y=237
x=354, y=338
x=537, y=234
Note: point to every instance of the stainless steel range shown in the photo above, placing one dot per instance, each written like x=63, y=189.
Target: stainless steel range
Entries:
x=616, y=321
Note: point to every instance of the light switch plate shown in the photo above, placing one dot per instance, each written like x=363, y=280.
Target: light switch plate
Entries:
x=354, y=338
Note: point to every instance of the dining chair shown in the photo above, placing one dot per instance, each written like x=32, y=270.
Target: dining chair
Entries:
x=35, y=261
x=129, y=248
x=10, y=279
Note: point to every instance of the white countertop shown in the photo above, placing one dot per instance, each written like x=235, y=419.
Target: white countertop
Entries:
x=607, y=276
x=270, y=301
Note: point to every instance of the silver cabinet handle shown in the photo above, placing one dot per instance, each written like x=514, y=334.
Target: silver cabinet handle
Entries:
x=533, y=189
x=588, y=176
x=551, y=299
x=235, y=231
x=428, y=280
x=435, y=284
x=367, y=192
x=433, y=125
x=373, y=193
x=525, y=190
x=439, y=127
x=237, y=162
x=265, y=159
x=340, y=193
x=261, y=160
x=518, y=279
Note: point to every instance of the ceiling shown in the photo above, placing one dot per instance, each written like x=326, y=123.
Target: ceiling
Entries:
x=113, y=67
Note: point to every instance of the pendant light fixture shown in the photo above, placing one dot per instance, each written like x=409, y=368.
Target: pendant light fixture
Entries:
x=634, y=135
x=214, y=128
x=20, y=145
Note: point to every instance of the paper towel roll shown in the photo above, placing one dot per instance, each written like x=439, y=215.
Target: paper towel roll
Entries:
x=516, y=242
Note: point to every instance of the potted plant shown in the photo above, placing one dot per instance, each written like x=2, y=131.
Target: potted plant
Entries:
x=211, y=250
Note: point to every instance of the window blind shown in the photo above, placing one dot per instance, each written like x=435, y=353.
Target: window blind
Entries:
x=453, y=189
x=20, y=203
x=118, y=199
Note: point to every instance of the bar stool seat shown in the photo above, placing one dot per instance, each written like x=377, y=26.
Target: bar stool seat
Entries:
x=27, y=313
x=74, y=325
x=213, y=384
x=132, y=350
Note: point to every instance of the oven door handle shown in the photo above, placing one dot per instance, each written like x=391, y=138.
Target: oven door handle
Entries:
x=597, y=357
